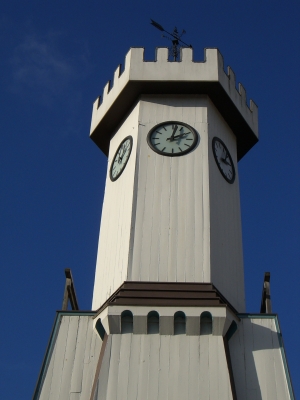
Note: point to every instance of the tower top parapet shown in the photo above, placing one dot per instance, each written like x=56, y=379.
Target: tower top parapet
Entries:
x=184, y=77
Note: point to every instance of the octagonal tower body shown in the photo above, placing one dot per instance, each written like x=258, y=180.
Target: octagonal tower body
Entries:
x=172, y=219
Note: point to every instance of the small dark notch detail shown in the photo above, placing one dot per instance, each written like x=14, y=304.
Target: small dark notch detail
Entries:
x=266, y=306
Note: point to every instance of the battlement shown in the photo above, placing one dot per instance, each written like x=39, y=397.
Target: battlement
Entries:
x=184, y=77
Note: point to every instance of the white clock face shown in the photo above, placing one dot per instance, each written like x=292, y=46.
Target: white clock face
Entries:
x=120, y=159
x=172, y=138
x=223, y=159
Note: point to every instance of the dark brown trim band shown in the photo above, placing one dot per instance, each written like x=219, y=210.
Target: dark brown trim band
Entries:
x=168, y=294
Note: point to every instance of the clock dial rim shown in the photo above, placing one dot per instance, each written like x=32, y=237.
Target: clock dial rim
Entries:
x=191, y=148
x=216, y=139
x=112, y=178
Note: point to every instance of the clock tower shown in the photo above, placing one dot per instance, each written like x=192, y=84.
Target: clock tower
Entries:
x=168, y=317
x=174, y=213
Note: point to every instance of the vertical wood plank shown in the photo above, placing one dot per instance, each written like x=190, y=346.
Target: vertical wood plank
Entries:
x=213, y=360
x=252, y=388
x=77, y=373
x=184, y=370
x=265, y=336
x=123, y=374
x=114, y=367
x=154, y=367
x=164, y=364
x=194, y=364
x=115, y=232
x=134, y=366
x=174, y=367
x=204, y=383
x=280, y=378
x=259, y=342
x=143, y=372
x=69, y=356
x=58, y=357
x=46, y=385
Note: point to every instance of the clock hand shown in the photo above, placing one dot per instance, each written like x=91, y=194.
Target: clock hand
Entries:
x=173, y=134
x=123, y=148
x=225, y=161
x=178, y=136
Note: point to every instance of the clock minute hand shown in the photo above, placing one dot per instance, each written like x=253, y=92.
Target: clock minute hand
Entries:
x=180, y=136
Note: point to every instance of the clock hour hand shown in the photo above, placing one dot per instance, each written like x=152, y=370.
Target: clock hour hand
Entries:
x=173, y=134
x=121, y=155
x=225, y=161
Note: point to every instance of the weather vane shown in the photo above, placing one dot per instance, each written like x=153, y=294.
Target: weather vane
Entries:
x=176, y=40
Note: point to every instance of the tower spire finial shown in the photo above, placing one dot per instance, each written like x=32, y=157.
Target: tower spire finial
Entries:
x=176, y=40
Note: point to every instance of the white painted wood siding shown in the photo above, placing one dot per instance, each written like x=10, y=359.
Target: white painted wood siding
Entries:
x=156, y=367
x=171, y=234
x=257, y=362
x=73, y=361
x=227, y=269
x=114, y=239
x=171, y=219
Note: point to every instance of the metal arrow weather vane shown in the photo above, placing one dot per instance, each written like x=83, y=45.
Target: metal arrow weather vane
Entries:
x=176, y=40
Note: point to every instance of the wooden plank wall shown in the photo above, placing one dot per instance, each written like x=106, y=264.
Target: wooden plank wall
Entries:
x=257, y=362
x=227, y=269
x=171, y=236
x=171, y=219
x=73, y=360
x=158, y=367
x=116, y=219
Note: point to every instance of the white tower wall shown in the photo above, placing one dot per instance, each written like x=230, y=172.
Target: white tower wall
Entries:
x=171, y=237
x=171, y=219
x=227, y=269
x=114, y=239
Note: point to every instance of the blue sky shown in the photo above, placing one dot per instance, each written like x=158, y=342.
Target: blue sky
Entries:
x=55, y=59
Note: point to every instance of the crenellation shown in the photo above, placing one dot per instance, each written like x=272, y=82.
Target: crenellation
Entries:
x=161, y=54
x=212, y=58
x=106, y=90
x=135, y=56
x=97, y=104
x=140, y=76
x=117, y=73
x=231, y=76
x=242, y=92
x=186, y=55
x=253, y=107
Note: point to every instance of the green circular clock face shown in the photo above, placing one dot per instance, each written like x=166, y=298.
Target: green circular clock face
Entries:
x=172, y=138
x=121, y=158
x=223, y=159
